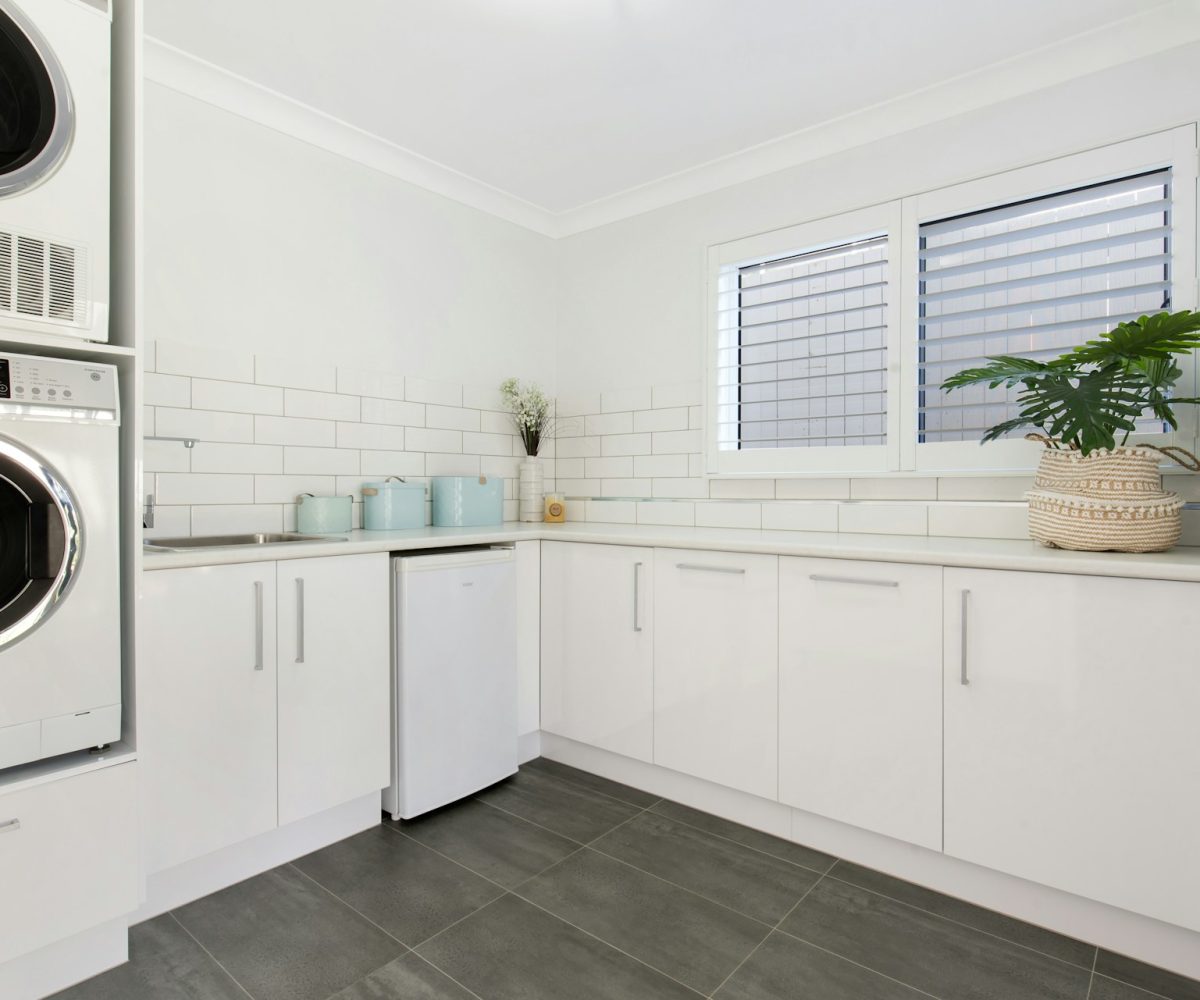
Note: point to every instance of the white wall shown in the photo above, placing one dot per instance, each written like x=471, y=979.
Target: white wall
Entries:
x=260, y=242
x=631, y=293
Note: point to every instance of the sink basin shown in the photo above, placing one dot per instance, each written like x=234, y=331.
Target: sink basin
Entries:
x=229, y=541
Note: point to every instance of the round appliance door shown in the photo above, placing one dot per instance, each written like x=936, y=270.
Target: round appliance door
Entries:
x=37, y=115
x=41, y=541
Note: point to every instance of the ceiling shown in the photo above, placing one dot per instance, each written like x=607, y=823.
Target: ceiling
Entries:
x=562, y=103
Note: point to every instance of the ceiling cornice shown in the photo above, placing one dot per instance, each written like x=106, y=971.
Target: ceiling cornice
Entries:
x=1155, y=30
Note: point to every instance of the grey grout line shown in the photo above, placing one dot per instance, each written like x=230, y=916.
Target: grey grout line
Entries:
x=348, y=906
x=216, y=961
x=960, y=923
x=1092, y=977
x=438, y=968
x=523, y=819
x=567, y=779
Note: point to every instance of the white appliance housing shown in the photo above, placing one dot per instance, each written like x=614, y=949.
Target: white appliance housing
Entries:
x=60, y=612
x=454, y=677
x=54, y=167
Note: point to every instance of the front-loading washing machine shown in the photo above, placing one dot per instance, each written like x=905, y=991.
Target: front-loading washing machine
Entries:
x=60, y=606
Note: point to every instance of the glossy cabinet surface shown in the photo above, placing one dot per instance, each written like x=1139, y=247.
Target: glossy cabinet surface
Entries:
x=1071, y=754
x=860, y=694
x=206, y=708
x=334, y=669
x=716, y=632
x=597, y=646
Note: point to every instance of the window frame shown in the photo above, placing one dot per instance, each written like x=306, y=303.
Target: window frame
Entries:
x=900, y=221
x=831, y=231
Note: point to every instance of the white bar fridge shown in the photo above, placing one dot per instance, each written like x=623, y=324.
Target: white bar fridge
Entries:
x=454, y=677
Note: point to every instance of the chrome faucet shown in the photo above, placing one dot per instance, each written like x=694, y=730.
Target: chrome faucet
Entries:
x=148, y=512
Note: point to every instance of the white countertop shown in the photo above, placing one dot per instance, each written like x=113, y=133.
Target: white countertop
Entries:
x=982, y=553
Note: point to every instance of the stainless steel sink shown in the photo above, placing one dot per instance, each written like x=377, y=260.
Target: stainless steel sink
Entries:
x=229, y=541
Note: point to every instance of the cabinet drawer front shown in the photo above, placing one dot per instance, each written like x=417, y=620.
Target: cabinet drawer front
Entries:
x=68, y=857
x=1071, y=755
x=860, y=694
x=597, y=653
x=716, y=667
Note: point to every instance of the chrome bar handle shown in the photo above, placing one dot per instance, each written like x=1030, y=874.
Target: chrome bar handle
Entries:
x=299, y=620
x=711, y=569
x=637, y=596
x=863, y=581
x=10, y=825
x=258, y=625
x=962, y=663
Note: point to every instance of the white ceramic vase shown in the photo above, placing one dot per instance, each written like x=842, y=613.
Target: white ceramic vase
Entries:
x=532, y=487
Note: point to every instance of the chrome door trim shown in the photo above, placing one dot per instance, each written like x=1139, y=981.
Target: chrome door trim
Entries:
x=62, y=131
x=67, y=506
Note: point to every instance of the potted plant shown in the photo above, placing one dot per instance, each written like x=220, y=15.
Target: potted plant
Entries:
x=1092, y=490
x=532, y=416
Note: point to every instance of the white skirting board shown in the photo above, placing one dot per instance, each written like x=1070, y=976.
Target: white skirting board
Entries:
x=529, y=745
x=65, y=963
x=168, y=889
x=1117, y=930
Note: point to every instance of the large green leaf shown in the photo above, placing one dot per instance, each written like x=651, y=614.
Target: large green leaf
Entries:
x=1158, y=336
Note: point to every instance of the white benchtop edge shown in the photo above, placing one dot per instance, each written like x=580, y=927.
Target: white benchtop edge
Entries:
x=976, y=553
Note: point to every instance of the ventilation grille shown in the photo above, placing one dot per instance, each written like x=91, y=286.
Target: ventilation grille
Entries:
x=43, y=279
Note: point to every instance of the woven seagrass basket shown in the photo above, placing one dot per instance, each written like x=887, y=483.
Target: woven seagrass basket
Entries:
x=1111, y=500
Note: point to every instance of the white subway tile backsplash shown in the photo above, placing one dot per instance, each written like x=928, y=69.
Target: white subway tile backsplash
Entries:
x=684, y=489
x=884, y=518
x=661, y=466
x=675, y=442
x=295, y=373
x=380, y=437
x=979, y=520
x=298, y=461
x=423, y=390
x=507, y=468
x=202, y=361
x=609, y=468
x=799, y=515
x=680, y=394
x=423, y=439
x=285, y=489
x=893, y=488
x=493, y=422
x=320, y=405
x=391, y=411
x=203, y=488
x=729, y=515
x=148, y=421
x=167, y=390
x=489, y=444
x=667, y=513
x=984, y=487
x=482, y=397
x=608, y=423
x=568, y=427
x=236, y=397
x=577, y=404
x=451, y=465
x=625, y=399
x=170, y=522
x=812, y=489
x=570, y=468
x=673, y=419
x=578, y=487
x=166, y=456
x=742, y=489
x=579, y=447
x=381, y=464
x=625, y=444
x=203, y=425
x=370, y=382
x=212, y=457
x=620, y=487
x=295, y=431
x=454, y=418
x=225, y=519
x=605, y=511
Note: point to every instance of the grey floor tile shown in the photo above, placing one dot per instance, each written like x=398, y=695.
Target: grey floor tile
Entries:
x=164, y=964
x=930, y=953
x=409, y=890
x=634, y=796
x=690, y=939
x=797, y=854
x=492, y=843
x=1009, y=928
x=757, y=884
x=1146, y=977
x=284, y=938
x=409, y=977
x=511, y=950
x=787, y=969
x=1109, y=989
x=559, y=805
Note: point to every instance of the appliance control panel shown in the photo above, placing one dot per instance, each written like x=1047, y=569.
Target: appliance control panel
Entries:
x=57, y=382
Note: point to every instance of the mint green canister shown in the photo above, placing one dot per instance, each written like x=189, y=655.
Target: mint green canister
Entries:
x=393, y=505
x=467, y=501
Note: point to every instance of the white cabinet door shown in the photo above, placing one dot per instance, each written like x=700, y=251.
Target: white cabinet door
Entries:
x=206, y=708
x=597, y=651
x=860, y=694
x=334, y=669
x=1071, y=754
x=716, y=667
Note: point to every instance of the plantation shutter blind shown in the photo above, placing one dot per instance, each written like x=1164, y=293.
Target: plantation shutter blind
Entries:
x=1034, y=278
x=802, y=349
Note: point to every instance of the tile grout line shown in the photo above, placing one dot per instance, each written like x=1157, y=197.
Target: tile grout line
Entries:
x=382, y=930
x=1092, y=977
x=443, y=972
x=216, y=961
